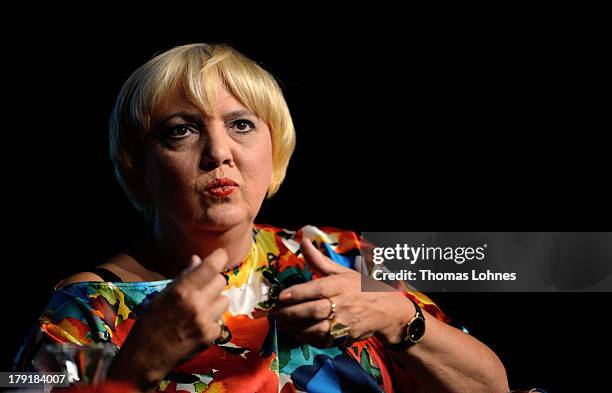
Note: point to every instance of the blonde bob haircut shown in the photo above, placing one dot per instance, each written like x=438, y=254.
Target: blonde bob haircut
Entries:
x=200, y=70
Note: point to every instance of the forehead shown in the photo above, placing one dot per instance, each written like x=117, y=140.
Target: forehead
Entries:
x=179, y=101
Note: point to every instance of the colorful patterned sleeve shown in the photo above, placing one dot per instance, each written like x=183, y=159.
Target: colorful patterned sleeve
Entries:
x=81, y=314
x=62, y=320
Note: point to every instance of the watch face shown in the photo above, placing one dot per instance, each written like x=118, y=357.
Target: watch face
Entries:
x=417, y=329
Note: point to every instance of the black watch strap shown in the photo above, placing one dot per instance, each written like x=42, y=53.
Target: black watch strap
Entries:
x=419, y=313
x=405, y=343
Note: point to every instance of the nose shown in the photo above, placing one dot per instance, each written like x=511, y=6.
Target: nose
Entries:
x=217, y=149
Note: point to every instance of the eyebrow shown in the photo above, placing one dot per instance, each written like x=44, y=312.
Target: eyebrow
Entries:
x=198, y=118
x=237, y=113
x=192, y=117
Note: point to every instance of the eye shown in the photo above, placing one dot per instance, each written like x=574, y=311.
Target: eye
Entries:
x=181, y=131
x=242, y=126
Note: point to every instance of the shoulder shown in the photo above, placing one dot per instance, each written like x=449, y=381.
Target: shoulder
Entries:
x=123, y=265
x=115, y=265
x=79, y=277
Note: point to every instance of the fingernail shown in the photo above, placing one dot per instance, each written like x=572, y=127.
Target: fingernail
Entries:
x=284, y=296
x=195, y=260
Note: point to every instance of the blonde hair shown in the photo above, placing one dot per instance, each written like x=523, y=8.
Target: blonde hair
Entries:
x=199, y=69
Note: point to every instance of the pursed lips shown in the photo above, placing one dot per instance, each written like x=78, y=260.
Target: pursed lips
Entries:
x=221, y=187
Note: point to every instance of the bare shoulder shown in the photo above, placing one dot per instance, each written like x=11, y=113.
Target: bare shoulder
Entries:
x=80, y=277
x=111, y=265
x=129, y=269
x=123, y=266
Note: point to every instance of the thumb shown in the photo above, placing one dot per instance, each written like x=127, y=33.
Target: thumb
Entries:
x=194, y=262
x=318, y=261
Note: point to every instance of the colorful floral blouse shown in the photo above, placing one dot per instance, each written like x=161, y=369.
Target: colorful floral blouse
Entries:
x=258, y=358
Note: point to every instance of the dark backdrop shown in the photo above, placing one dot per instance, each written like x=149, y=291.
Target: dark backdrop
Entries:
x=465, y=128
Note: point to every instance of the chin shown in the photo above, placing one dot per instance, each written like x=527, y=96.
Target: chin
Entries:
x=220, y=218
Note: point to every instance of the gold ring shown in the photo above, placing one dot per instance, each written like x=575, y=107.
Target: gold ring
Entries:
x=338, y=330
x=332, y=310
x=225, y=335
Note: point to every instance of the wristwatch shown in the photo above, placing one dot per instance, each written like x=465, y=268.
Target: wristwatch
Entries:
x=415, y=330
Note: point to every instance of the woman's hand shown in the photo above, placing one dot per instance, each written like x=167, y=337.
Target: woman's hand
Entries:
x=179, y=323
x=304, y=308
x=447, y=360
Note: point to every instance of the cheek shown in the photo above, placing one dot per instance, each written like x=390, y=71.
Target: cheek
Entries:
x=257, y=171
x=166, y=172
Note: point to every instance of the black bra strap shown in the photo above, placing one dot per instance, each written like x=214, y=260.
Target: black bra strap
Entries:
x=106, y=274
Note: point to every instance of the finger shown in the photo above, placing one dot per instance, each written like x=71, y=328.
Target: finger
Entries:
x=211, y=317
x=218, y=307
x=316, y=334
x=211, y=265
x=194, y=261
x=318, y=261
x=304, y=313
x=213, y=288
x=312, y=290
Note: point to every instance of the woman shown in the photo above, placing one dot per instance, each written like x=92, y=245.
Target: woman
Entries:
x=199, y=136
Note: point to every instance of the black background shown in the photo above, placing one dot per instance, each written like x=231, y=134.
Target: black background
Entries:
x=442, y=128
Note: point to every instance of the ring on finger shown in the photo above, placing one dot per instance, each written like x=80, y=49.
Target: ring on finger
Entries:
x=225, y=335
x=338, y=329
x=332, y=309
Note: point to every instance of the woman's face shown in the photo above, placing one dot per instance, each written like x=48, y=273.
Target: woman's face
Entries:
x=187, y=151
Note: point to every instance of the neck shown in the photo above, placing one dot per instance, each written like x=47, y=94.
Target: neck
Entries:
x=169, y=247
